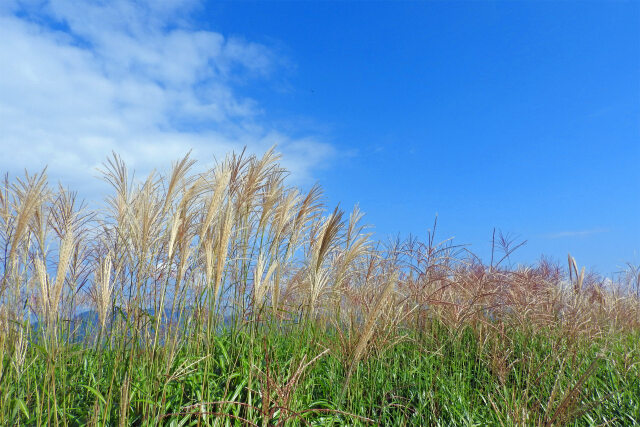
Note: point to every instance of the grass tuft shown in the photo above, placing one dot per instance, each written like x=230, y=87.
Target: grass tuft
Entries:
x=226, y=297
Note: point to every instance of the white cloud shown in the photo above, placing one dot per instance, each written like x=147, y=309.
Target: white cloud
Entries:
x=576, y=233
x=80, y=79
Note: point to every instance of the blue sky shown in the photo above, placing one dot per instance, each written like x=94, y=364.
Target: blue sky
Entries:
x=523, y=116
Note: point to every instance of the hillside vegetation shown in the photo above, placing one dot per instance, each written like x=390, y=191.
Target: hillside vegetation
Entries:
x=229, y=298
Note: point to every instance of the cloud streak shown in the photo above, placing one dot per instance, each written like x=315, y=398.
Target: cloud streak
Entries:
x=575, y=233
x=81, y=79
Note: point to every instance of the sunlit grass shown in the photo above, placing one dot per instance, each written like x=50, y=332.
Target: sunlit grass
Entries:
x=229, y=298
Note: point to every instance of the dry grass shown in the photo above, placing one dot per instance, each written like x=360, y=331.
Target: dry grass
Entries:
x=182, y=249
x=195, y=240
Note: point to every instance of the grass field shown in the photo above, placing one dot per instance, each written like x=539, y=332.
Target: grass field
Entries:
x=228, y=298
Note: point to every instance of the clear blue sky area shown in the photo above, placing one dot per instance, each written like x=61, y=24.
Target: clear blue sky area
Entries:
x=523, y=116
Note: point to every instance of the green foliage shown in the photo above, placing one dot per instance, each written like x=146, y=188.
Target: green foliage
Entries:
x=437, y=379
x=227, y=298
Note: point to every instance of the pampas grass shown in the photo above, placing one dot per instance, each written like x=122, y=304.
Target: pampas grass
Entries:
x=212, y=289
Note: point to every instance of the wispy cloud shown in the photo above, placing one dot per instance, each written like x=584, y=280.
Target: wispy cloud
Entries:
x=80, y=79
x=575, y=233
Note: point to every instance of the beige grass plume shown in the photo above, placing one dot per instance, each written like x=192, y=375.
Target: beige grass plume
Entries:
x=261, y=284
x=222, y=248
x=104, y=290
x=369, y=327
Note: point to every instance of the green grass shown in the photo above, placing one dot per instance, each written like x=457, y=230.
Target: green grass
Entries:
x=322, y=325
x=438, y=379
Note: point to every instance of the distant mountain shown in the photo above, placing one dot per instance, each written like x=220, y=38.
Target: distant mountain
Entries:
x=87, y=323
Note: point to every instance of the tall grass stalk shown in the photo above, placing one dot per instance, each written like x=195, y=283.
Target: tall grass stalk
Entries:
x=227, y=297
